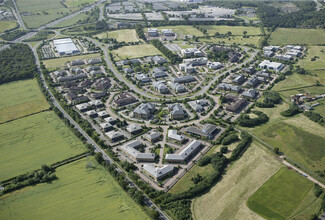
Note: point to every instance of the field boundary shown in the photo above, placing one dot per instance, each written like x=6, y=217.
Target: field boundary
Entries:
x=301, y=87
x=25, y=116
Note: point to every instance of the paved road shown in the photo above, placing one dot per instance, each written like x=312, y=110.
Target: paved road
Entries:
x=17, y=15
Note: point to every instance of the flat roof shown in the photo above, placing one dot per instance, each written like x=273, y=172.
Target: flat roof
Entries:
x=65, y=45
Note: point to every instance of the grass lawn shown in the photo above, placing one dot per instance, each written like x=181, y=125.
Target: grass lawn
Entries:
x=298, y=137
x=20, y=98
x=313, y=90
x=79, y=193
x=72, y=21
x=29, y=142
x=135, y=51
x=235, y=30
x=78, y=3
x=7, y=25
x=61, y=62
x=283, y=36
x=280, y=195
x=227, y=199
x=321, y=108
x=127, y=35
x=318, y=64
x=181, y=30
x=297, y=80
x=254, y=40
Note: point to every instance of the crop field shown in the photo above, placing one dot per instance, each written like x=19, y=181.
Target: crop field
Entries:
x=127, y=35
x=279, y=197
x=61, y=62
x=7, y=25
x=87, y=190
x=227, y=199
x=40, y=12
x=135, y=51
x=253, y=40
x=20, y=98
x=235, y=30
x=29, y=142
x=283, y=36
x=181, y=30
x=298, y=137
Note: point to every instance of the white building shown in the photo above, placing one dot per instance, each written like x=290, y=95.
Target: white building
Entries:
x=153, y=32
x=65, y=46
x=267, y=64
x=157, y=173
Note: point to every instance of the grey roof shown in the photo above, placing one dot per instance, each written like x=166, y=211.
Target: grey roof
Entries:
x=142, y=78
x=173, y=135
x=90, y=68
x=133, y=128
x=251, y=93
x=206, y=131
x=65, y=46
x=185, y=153
x=94, y=60
x=184, y=79
x=226, y=86
x=176, y=110
x=160, y=87
x=96, y=72
x=178, y=87
x=159, y=74
x=153, y=135
x=71, y=77
x=110, y=119
x=130, y=149
x=105, y=125
x=197, y=105
x=253, y=81
x=114, y=134
x=158, y=172
x=145, y=108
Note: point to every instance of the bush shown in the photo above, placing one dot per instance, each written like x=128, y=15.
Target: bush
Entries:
x=229, y=139
x=291, y=111
x=245, y=121
x=314, y=117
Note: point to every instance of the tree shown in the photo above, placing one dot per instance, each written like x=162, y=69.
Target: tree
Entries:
x=99, y=157
x=276, y=150
x=224, y=149
x=244, y=32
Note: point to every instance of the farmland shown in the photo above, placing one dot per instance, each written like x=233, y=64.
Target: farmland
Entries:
x=227, y=199
x=40, y=12
x=298, y=137
x=61, y=62
x=279, y=197
x=85, y=187
x=134, y=51
x=235, y=30
x=21, y=98
x=128, y=35
x=29, y=142
x=7, y=25
x=181, y=30
x=283, y=36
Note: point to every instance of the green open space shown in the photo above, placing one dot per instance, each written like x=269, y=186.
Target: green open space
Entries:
x=227, y=199
x=127, y=35
x=72, y=21
x=29, y=142
x=84, y=190
x=317, y=52
x=181, y=30
x=61, y=62
x=279, y=197
x=235, y=30
x=284, y=36
x=7, y=25
x=21, y=98
x=135, y=51
x=78, y=3
x=240, y=40
x=296, y=80
x=299, y=138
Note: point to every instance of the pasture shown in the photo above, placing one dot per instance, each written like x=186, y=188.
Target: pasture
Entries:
x=279, y=197
x=127, y=35
x=61, y=62
x=227, y=199
x=7, y=25
x=135, y=51
x=181, y=30
x=29, y=142
x=235, y=30
x=296, y=80
x=84, y=190
x=20, y=98
x=72, y=21
x=284, y=36
x=298, y=137
x=317, y=52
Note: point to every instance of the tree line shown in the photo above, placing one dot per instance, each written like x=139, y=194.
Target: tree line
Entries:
x=169, y=54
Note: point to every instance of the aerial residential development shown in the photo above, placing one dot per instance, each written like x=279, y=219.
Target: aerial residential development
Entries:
x=150, y=109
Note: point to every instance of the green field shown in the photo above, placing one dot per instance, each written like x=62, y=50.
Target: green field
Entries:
x=283, y=36
x=78, y=3
x=227, y=199
x=254, y=40
x=298, y=137
x=235, y=30
x=279, y=197
x=20, y=98
x=296, y=81
x=72, y=21
x=40, y=12
x=181, y=30
x=61, y=62
x=27, y=143
x=79, y=193
x=135, y=51
x=127, y=35
x=7, y=25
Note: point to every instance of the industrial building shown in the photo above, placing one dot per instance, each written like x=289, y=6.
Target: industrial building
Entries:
x=157, y=173
x=187, y=152
x=65, y=46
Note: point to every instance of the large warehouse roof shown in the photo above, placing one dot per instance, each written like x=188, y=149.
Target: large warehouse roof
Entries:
x=65, y=46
